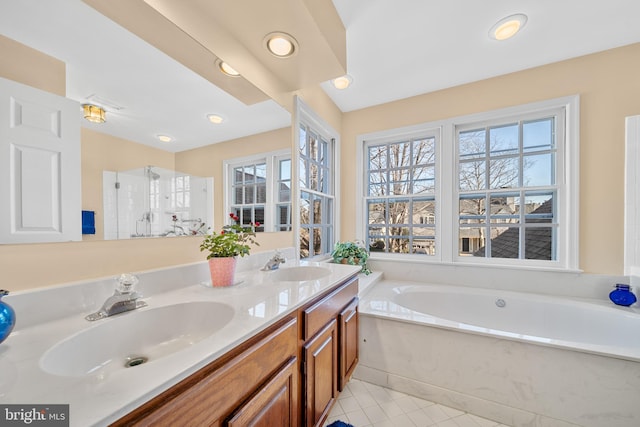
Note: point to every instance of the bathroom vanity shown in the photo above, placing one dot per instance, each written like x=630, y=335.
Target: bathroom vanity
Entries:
x=281, y=350
x=290, y=374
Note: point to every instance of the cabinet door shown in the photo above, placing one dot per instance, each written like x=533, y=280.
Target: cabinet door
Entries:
x=321, y=374
x=348, y=324
x=274, y=404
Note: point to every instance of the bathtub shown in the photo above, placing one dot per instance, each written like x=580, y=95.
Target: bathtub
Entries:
x=520, y=359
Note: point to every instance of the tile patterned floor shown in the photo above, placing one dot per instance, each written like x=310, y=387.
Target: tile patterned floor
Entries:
x=367, y=405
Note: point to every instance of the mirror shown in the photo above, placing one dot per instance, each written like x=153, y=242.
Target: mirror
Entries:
x=145, y=94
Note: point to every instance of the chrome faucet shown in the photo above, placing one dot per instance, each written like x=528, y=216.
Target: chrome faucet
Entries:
x=274, y=262
x=124, y=298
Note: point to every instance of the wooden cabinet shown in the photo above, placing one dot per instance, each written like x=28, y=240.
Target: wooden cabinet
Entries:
x=330, y=351
x=288, y=375
x=320, y=374
x=348, y=331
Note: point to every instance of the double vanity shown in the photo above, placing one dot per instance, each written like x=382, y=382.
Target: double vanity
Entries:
x=275, y=348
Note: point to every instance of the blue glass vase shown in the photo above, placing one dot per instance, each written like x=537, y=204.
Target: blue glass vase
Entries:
x=7, y=317
x=622, y=295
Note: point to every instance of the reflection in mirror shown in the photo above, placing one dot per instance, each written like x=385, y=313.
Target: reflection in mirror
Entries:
x=156, y=202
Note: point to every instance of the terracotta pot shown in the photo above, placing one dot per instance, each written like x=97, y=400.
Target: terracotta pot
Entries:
x=223, y=271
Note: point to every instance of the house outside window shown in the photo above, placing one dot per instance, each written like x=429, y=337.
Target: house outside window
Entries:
x=499, y=187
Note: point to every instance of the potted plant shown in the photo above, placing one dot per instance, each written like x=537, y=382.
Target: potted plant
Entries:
x=353, y=253
x=224, y=248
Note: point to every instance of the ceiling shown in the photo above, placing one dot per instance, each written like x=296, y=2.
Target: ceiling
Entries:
x=394, y=50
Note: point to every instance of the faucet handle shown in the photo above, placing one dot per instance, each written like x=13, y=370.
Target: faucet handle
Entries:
x=127, y=283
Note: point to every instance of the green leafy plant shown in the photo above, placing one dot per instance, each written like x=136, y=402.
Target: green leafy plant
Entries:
x=352, y=253
x=233, y=240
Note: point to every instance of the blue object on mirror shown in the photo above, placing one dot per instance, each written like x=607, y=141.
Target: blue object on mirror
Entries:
x=88, y=222
x=622, y=295
x=7, y=317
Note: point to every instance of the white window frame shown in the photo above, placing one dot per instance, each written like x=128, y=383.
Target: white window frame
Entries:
x=304, y=114
x=271, y=159
x=567, y=183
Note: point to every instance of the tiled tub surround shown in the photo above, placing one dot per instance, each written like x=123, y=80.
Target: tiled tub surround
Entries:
x=468, y=357
x=47, y=316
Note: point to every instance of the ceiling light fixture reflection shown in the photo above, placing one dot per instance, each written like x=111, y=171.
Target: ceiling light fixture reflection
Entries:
x=215, y=119
x=227, y=69
x=165, y=138
x=342, y=82
x=281, y=45
x=93, y=113
x=508, y=27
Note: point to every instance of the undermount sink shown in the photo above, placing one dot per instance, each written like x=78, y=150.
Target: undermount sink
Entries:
x=135, y=337
x=299, y=274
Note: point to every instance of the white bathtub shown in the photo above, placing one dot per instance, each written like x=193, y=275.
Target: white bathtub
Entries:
x=520, y=359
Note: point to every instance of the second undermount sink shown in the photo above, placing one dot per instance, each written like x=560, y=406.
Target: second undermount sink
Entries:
x=299, y=274
x=135, y=337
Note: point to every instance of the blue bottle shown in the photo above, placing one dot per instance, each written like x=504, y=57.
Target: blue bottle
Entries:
x=7, y=317
x=622, y=295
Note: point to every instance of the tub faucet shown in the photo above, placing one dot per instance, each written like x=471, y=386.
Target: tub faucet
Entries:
x=124, y=298
x=274, y=262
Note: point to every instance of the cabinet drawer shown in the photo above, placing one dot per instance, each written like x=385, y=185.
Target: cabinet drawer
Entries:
x=320, y=313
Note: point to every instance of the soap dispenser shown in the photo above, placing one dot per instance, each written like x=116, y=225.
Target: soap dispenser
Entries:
x=7, y=317
x=622, y=295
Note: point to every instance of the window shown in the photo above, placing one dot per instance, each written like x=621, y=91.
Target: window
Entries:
x=400, y=201
x=260, y=190
x=495, y=188
x=315, y=154
x=507, y=189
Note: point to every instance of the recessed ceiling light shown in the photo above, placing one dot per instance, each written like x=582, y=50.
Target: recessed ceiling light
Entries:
x=227, y=69
x=165, y=138
x=215, y=119
x=508, y=27
x=281, y=44
x=342, y=82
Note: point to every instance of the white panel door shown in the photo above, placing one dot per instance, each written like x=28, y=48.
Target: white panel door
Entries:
x=40, y=178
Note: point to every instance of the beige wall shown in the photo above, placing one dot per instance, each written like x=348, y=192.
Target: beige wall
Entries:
x=609, y=87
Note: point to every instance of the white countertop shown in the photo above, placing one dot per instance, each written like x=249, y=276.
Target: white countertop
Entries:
x=99, y=398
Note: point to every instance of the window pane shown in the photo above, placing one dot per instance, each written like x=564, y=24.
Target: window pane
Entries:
x=303, y=174
x=237, y=195
x=538, y=134
x=424, y=180
x=398, y=211
x=259, y=217
x=261, y=172
x=503, y=140
x=505, y=242
x=424, y=212
x=304, y=242
x=538, y=170
x=249, y=195
x=539, y=208
x=285, y=170
x=472, y=176
x=538, y=243
x=400, y=181
x=505, y=208
x=472, y=144
x=249, y=174
x=400, y=154
x=504, y=173
x=399, y=245
x=472, y=210
x=317, y=241
x=424, y=151
x=378, y=157
x=376, y=212
x=305, y=208
x=474, y=238
x=313, y=146
x=261, y=193
x=317, y=211
x=237, y=175
x=284, y=195
x=302, y=142
x=377, y=245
